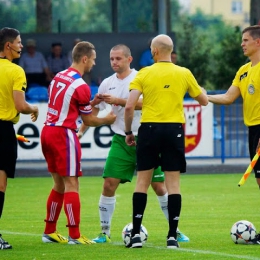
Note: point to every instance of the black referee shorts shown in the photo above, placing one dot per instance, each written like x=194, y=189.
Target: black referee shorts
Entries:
x=8, y=148
x=161, y=144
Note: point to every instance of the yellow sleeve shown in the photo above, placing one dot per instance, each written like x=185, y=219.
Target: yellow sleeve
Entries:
x=19, y=79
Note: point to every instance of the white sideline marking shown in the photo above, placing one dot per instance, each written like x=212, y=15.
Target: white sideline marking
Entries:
x=204, y=252
x=19, y=233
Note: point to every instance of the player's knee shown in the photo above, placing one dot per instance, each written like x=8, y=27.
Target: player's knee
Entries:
x=2, y=187
x=108, y=188
x=258, y=182
x=3, y=181
x=159, y=188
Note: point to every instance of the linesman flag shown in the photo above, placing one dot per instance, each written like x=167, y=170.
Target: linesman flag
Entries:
x=22, y=138
x=249, y=169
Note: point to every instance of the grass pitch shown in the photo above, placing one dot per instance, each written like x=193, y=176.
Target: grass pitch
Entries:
x=210, y=206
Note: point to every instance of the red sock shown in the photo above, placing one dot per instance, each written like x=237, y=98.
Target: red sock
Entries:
x=72, y=210
x=54, y=205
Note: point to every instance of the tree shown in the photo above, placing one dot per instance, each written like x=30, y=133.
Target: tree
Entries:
x=81, y=16
x=210, y=49
x=227, y=60
x=193, y=50
x=254, y=12
x=20, y=15
x=44, y=16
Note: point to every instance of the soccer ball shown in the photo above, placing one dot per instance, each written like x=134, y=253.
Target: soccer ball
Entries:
x=126, y=233
x=243, y=232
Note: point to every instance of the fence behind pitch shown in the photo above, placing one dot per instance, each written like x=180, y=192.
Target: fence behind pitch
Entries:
x=230, y=133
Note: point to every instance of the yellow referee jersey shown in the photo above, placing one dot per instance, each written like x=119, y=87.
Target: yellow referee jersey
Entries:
x=164, y=86
x=12, y=78
x=247, y=79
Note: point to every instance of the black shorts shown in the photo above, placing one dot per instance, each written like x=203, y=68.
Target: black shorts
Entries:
x=161, y=144
x=8, y=148
x=253, y=138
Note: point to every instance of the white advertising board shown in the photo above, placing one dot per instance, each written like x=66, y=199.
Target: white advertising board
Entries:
x=96, y=141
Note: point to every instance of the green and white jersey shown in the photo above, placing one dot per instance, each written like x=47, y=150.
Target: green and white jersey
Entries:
x=119, y=88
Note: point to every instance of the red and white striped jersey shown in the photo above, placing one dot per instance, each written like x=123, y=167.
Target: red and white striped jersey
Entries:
x=69, y=97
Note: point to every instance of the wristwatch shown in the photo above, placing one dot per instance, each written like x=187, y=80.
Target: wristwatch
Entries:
x=128, y=133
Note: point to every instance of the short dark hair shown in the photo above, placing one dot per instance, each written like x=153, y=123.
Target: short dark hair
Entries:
x=253, y=31
x=7, y=35
x=122, y=47
x=56, y=44
x=82, y=49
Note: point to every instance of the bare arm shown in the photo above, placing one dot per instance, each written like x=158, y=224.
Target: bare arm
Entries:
x=24, y=107
x=129, y=114
x=202, y=98
x=97, y=99
x=120, y=101
x=83, y=128
x=93, y=120
x=227, y=98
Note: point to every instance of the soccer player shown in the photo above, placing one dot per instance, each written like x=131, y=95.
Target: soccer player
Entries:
x=161, y=135
x=69, y=98
x=12, y=103
x=121, y=161
x=247, y=84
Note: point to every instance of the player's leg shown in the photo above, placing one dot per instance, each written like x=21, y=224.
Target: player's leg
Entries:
x=51, y=151
x=3, y=183
x=53, y=209
x=139, y=204
x=172, y=180
x=107, y=203
x=147, y=145
x=173, y=147
x=253, y=139
x=72, y=210
x=71, y=171
x=160, y=190
x=119, y=168
x=8, y=155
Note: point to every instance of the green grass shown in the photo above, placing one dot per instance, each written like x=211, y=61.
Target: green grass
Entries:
x=211, y=204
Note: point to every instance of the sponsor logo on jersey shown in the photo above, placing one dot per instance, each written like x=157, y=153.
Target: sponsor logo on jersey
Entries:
x=243, y=76
x=52, y=111
x=87, y=107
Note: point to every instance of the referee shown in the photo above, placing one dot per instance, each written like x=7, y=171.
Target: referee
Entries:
x=12, y=103
x=161, y=134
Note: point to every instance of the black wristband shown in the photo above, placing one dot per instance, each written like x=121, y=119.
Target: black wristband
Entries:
x=128, y=133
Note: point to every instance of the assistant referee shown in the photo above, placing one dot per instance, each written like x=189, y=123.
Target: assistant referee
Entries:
x=12, y=103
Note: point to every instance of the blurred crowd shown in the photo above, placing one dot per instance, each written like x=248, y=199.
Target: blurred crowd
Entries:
x=40, y=69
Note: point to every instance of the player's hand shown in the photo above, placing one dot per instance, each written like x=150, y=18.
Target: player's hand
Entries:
x=98, y=98
x=109, y=99
x=130, y=140
x=111, y=118
x=35, y=114
x=79, y=134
